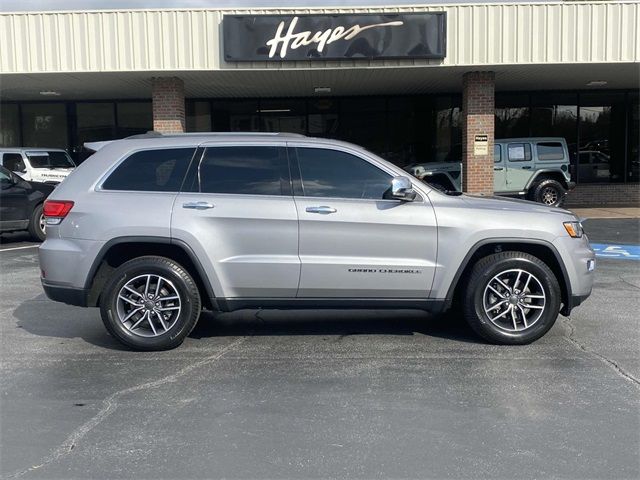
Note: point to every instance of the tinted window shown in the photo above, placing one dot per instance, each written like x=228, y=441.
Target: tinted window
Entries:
x=330, y=173
x=151, y=171
x=497, y=154
x=519, y=152
x=13, y=162
x=244, y=170
x=50, y=160
x=584, y=158
x=550, y=151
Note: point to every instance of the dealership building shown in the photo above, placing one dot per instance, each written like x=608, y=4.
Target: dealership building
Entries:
x=413, y=84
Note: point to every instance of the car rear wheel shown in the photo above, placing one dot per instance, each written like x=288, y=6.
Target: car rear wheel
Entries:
x=549, y=192
x=511, y=298
x=150, y=303
x=37, y=227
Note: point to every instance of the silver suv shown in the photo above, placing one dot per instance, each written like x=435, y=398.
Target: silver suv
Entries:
x=154, y=229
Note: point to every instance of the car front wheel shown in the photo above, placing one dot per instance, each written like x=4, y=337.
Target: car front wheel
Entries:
x=511, y=298
x=150, y=303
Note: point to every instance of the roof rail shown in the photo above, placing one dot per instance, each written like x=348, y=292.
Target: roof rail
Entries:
x=154, y=134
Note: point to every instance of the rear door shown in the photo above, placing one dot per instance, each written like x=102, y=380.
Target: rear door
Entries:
x=499, y=170
x=354, y=243
x=239, y=216
x=14, y=200
x=519, y=165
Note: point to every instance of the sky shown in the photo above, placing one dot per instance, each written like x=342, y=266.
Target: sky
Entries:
x=40, y=5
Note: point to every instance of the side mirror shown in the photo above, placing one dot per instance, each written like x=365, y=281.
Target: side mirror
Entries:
x=401, y=189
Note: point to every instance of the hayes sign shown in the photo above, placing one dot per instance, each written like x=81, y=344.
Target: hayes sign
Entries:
x=333, y=37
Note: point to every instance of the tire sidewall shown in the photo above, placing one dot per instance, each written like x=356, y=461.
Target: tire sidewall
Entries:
x=549, y=315
x=176, y=334
x=553, y=184
x=34, y=226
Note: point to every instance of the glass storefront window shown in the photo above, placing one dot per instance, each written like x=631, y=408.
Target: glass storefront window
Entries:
x=633, y=158
x=322, y=117
x=405, y=143
x=96, y=121
x=134, y=118
x=198, y=116
x=601, y=156
x=363, y=121
x=44, y=125
x=512, y=116
x=235, y=116
x=283, y=116
x=447, y=142
x=556, y=115
x=9, y=125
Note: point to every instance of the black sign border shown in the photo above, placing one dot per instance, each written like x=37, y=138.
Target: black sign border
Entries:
x=226, y=33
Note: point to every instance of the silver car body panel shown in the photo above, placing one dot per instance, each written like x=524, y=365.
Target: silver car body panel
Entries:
x=255, y=246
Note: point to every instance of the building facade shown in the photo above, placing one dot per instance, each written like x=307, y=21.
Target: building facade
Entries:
x=413, y=84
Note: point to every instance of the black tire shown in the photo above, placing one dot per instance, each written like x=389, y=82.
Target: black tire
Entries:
x=473, y=298
x=549, y=192
x=180, y=281
x=35, y=228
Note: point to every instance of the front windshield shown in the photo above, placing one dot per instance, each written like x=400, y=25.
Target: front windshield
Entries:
x=50, y=160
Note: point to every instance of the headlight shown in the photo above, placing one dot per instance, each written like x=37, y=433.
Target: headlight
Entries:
x=574, y=229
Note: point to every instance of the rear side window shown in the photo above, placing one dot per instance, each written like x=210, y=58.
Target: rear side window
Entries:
x=13, y=162
x=497, y=154
x=151, y=171
x=251, y=170
x=550, y=151
x=331, y=173
x=519, y=152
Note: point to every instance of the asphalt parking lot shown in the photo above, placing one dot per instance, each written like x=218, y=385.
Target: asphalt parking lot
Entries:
x=367, y=394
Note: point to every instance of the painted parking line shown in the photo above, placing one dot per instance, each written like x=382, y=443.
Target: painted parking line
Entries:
x=621, y=252
x=18, y=248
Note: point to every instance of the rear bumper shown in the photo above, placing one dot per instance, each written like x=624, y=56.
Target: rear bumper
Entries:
x=68, y=295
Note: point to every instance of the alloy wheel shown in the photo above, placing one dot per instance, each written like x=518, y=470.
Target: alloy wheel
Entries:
x=148, y=305
x=549, y=196
x=514, y=300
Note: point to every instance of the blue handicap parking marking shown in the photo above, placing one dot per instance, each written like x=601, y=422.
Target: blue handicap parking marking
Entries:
x=622, y=252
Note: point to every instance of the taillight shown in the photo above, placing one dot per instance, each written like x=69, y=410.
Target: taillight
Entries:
x=55, y=210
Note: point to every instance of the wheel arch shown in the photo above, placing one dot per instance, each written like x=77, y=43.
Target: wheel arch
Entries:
x=120, y=250
x=541, y=249
x=542, y=175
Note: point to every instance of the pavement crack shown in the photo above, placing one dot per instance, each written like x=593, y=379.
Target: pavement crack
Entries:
x=628, y=282
x=610, y=363
x=110, y=404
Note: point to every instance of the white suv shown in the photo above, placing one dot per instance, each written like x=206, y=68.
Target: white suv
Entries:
x=45, y=165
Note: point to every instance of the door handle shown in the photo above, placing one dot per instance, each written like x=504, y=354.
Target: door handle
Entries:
x=526, y=168
x=324, y=210
x=198, y=205
x=498, y=168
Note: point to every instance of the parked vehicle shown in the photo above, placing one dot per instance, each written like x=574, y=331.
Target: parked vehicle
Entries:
x=152, y=230
x=46, y=165
x=21, y=204
x=534, y=168
x=593, y=166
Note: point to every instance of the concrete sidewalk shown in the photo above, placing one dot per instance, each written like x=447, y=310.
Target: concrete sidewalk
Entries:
x=609, y=212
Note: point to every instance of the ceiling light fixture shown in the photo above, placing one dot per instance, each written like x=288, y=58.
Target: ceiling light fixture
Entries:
x=50, y=93
x=322, y=89
x=597, y=83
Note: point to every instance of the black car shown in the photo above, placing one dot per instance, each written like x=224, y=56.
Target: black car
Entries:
x=21, y=204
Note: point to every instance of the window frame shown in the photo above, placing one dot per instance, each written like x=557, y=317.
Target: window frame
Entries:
x=100, y=185
x=547, y=143
x=193, y=174
x=296, y=173
x=526, y=144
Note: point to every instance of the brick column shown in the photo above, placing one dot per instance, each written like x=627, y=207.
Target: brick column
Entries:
x=168, y=104
x=478, y=110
